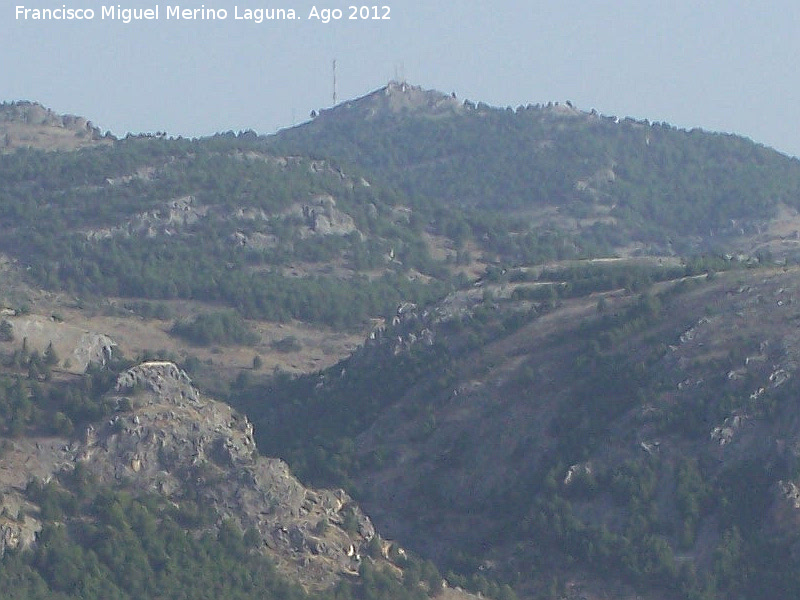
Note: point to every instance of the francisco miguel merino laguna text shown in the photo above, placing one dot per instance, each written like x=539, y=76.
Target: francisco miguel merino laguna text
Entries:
x=127, y=15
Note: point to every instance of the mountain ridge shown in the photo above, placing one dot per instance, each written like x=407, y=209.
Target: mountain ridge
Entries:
x=568, y=366
x=26, y=124
x=587, y=174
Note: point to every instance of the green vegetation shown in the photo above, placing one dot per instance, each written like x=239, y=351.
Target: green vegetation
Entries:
x=312, y=420
x=98, y=543
x=222, y=219
x=216, y=328
x=286, y=345
x=31, y=403
x=104, y=543
x=164, y=219
x=660, y=183
x=6, y=331
x=617, y=359
x=331, y=223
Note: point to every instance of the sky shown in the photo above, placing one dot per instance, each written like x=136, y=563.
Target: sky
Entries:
x=720, y=65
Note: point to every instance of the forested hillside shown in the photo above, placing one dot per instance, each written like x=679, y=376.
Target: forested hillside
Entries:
x=621, y=180
x=638, y=444
x=214, y=220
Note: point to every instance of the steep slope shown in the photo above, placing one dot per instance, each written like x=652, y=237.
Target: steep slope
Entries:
x=623, y=444
x=175, y=436
x=167, y=446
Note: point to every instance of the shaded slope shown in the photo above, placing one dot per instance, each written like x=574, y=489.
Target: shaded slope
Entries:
x=653, y=444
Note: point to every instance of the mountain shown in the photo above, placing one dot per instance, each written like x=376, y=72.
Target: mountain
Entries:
x=265, y=234
x=633, y=444
x=549, y=352
x=170, y=434
x=31, y=125
x=132, y=506
x=605, y=183
x=121, y=479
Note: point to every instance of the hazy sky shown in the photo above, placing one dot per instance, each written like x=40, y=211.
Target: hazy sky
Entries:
x=720, y=65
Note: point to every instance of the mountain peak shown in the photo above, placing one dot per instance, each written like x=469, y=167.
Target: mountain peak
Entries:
x=25, y=124
x=398, y=98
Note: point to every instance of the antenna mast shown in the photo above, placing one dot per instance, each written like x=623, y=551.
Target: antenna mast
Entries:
x=334, y=82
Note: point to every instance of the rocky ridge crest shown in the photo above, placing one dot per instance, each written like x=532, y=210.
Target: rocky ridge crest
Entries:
x=169, y=439
x=30, y=125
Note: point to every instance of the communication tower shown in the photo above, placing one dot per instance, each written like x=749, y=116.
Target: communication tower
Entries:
x=334, y=82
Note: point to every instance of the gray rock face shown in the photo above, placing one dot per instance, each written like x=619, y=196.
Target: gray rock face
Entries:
x=171, y=217
x=33, y=113
x=79, y=346
x=176, y=438
x=17, y=528
x=18, y=533
x=321, y=217
x=93, y=348
x=162, y=378
x=177, y=443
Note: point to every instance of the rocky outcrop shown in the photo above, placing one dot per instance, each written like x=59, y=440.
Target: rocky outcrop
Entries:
x=18, y=533
x=789, y=492
x=18, y=529
x=33, y=113
x=171, y=217
x=163, y=378
x=169, y=439
x=175, y=440
x=31, y=125
x=92, y=348
x=407, y=328
x=321, y=217
x=78, y=346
